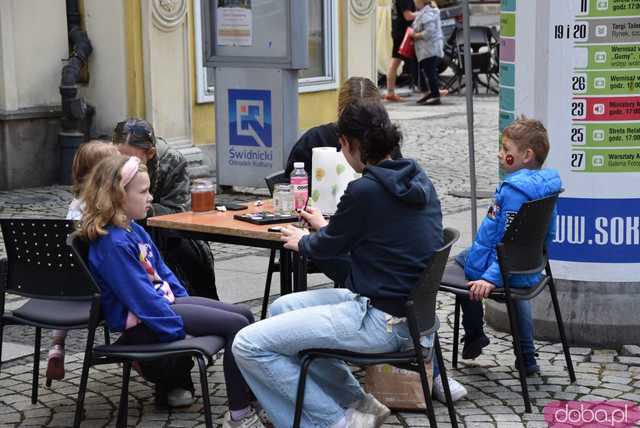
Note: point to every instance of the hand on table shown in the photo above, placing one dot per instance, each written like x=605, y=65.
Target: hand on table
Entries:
x=291, y=236
x=314, y=218
x=480, y=289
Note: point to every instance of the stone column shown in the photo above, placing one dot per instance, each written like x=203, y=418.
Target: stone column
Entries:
x=167, y=77
x=360, y=47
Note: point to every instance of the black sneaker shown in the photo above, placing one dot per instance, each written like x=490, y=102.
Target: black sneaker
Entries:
x=473, y=346
x=433, y=101
x=532, y=367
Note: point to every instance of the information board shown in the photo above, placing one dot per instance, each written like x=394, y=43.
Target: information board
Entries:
x=588, y=96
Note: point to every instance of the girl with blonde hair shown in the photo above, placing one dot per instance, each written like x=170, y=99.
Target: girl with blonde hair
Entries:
x=143, y=299
x=86, y=158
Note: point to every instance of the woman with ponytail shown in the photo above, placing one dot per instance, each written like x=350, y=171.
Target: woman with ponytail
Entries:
x=385, y=230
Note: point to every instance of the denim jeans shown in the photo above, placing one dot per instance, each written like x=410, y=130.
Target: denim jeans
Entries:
x=267, y=352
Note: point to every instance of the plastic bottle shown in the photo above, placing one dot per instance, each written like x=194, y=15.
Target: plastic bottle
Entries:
x=300, y=186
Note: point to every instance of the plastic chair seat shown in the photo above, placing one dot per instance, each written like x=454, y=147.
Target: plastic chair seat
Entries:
x=56, y=313
x=454, y=281
x=206, y=345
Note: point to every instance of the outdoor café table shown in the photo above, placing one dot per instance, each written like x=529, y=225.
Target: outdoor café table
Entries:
x=216, y=226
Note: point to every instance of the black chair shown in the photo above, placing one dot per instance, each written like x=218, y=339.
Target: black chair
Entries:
x=41, y=267
x=521, y=251
x=202, y=348
x=484, y=59
x=423, y=321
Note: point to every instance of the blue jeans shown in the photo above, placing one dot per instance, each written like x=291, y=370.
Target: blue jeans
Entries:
x=267, y=353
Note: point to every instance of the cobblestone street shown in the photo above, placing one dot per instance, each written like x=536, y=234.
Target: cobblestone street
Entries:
x=437, y=137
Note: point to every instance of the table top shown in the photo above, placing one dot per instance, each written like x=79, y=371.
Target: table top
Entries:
x=218, y=223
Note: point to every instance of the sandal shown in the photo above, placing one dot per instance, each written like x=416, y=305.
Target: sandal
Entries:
x=55, y=364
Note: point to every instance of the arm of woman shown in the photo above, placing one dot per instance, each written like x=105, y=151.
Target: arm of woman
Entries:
x=343, y=230
x=173, y=193
x=124, y=275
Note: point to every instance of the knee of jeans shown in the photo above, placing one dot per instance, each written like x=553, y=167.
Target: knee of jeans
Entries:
x=280, y=305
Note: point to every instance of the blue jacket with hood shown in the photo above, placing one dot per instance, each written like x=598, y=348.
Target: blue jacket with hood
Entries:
x=390, y=223
x=481, y=260
x=118, y=261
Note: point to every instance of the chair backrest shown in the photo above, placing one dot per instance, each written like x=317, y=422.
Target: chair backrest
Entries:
x=275, y=178
x=422, y=304
x=523, y=245
x=39, y=262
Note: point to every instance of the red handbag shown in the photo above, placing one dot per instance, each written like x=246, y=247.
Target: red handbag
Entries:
x=407, y=48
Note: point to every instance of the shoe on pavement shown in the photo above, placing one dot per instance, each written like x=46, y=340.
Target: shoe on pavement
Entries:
x=473, y=346
x=433, y=102
x=370, y=405
x=55, y=363
x=180, y=397
x=531, y=366
x=457, y=390
x=393, y=98
x=357, y=419
x=251, y=420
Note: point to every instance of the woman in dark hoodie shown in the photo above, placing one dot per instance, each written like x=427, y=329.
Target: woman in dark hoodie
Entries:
x=387, y=226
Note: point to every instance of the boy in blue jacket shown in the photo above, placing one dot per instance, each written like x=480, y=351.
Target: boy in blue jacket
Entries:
x=525, y=146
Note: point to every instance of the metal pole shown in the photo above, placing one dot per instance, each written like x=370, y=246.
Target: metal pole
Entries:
x=468, y=76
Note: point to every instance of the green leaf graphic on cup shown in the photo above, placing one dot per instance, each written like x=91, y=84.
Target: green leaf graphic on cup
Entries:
x=315, y=195
x=340, y=168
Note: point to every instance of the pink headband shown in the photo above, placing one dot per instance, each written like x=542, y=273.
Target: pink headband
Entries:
x=129, y=170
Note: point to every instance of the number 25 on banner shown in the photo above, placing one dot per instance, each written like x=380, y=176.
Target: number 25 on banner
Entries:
x=577, y=160
x=578, y=109
x=577, y=135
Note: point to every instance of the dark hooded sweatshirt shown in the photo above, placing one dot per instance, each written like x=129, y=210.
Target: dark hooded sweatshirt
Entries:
x=389, y=221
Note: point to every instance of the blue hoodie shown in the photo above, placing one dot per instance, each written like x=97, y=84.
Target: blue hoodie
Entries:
x=481, y=260
x=389, y=221
x=118, y=260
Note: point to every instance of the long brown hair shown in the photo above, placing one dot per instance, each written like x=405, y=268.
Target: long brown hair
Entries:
x=86, y=158
x=356, y=88
x=104, y=197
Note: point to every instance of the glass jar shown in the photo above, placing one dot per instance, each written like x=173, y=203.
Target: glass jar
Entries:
x=282, y=199
x=202, y=196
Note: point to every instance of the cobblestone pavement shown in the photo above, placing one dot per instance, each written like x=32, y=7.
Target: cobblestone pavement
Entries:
x=438, y=139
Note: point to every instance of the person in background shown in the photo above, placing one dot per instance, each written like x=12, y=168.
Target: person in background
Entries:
x=402, y=15
x=190, y=259
x=525, y=145
x=355, y=88
x=86, y=158
x=429, y=46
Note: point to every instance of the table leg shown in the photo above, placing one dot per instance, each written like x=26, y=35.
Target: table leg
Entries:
x=285, y=272
x=300, y=278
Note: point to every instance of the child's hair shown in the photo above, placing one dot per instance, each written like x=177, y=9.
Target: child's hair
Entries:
x=104, y=197
x=529, y=134
x=139, y=133
x=87, y=157
x=368, y=122
x=356, y=88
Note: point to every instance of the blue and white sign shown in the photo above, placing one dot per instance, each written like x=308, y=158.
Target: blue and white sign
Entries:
x=250, y=118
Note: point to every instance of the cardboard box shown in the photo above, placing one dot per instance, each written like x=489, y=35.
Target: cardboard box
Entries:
x=396, y=388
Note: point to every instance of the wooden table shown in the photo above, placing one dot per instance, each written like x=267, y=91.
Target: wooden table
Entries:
x=216, y=226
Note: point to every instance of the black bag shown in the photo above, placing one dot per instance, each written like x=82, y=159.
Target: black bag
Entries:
x=192, y=262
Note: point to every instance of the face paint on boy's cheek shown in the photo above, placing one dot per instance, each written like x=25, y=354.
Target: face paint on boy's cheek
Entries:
x=509, y=160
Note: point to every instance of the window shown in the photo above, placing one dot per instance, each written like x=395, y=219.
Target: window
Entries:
x=322, y=73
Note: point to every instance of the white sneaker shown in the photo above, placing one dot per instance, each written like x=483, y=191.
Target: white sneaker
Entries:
x=357, y=419
x=370, y=405
x=457, y=390
x=180, y=397
x=251, y=420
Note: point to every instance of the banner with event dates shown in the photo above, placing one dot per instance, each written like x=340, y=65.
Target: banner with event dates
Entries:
x=591, y=108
